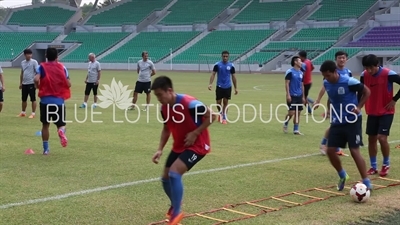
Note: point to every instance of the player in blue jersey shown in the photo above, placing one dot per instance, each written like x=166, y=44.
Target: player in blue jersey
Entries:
x=225, y=71
x=294, y=94
x=345, y=118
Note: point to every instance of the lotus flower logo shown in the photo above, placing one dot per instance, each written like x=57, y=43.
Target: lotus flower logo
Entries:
x=116, y=94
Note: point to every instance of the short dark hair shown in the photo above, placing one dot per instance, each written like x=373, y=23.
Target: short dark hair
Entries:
x=370, y=60
x=51, y=54
x=294, y=58
x=27, y=51
x=339, y=53
x=224, y=52
x=303, y=54
x=328, y=66
x=363, y=59
x=144, y=52
x=162, y=82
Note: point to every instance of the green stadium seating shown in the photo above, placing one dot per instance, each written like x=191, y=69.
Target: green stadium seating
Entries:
x=341, y=9
x=95, y=43
x=265, y=12
x=299, y=45
x=15, y=43
x=210, y=47
x=319, y=34
x=45, y=15
x=261, y=57
x=158, y=44
x=240, y=4
x=131, y=12
x=187, y=12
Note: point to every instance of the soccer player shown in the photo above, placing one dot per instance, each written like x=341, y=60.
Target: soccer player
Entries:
x=341, y=59
x=187, y=119
x=2, y=88
x=307, y=68
x=92, y=80
x=380, y=109
x=342, y=93
x=53, y=83
x=26, y=83
x=145, y=69
x=294, y=94
x=225, y=71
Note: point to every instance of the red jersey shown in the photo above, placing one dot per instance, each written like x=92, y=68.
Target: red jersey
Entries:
x=54, y=83
x=309, y=67
x=381, y=92
x=184, y=117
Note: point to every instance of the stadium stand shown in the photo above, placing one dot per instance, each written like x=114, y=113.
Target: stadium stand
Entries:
x=185, y=12
x=265, y=12
x=318, y=34
x=40, y=16
x=379, y=37
x=158, y=44
x=17, y=42
x=95, y=43
x=236, y=41
x=332, y=10
x=130, y=12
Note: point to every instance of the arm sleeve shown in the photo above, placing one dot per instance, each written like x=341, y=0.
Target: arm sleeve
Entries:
x=98, y=66
x=355, y=85
x=395, y=78
x=197, y=108
x=233, y=71
x=164, y=119
x=39, y=71
x=350, y=73
x=303, y=67
x=215, y=69
x=66, y=72
x=288, y=75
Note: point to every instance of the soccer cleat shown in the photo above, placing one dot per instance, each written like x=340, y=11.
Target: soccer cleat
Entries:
x=285, y=129
x=341, y=153
x=169, y=213
x=21, y=115
x=63, y=138
x=46, y=152
x=296, y=132
x=176, y=220
x=372, y=171
x=131, y=107
x=384, y=171
x=224, y=122
x=94, y=106
x=31, y=116
x=342, y=182
x=322, y=149
x=144, y=109
x=82, y=106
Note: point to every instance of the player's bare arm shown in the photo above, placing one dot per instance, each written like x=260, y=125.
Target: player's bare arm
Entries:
x=36, y=80
x=98, y=76
x=2, y=81
x=212, y=77
x=304, y=97
x=288, y=98
x=208, y=119
x=165, y=133
x=365, y=95
x=153, y=72
x=20, y=79
x=234, y=81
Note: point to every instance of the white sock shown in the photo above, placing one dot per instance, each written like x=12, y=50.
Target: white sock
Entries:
x=85, y=103
x=23, y=112
x=33, y=113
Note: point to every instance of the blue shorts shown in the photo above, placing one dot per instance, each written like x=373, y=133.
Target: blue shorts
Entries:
x=296, y=103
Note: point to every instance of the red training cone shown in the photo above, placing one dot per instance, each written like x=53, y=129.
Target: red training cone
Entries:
x=29, y=152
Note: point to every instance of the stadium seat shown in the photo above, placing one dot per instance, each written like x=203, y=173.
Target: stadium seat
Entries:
x=41, y=16
x=299, y=45
x=95, y=43
x=332, y=10
x=130, y=12
x=210, y=47
x=318, y=34
x=158, y=44
x=265, y=12
x=185, y=12
x=18, y=41
x=330, y=54
x=379, y=37
x=261, y=57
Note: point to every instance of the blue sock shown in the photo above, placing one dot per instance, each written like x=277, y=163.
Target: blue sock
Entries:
x=309, y=109
x=286, y=123
x=167, y=187
x=176, y=192
x=296, y=127
x=324, y=141
x=338, y=150
x=342, y=173
x=367, y=182
x=224, y=116
x=45, y=145
x=310, y=101
x=373, y=162
x=386, y=161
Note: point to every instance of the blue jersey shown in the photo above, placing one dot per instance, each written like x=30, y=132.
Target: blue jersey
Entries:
x=343, y=98
x=224, y=72
x=296, y=81
x=50, y=99
x=344, y=72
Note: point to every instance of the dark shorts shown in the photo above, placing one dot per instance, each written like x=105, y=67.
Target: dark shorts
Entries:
x=52, y=113
x=141, y=87
x=342, y=134
x=296, y=103
x=307, y=88
x=90, y=87
x=1, y=95
x=28, y=90
x=221, y=93
x=189, y=157
x=379, y=125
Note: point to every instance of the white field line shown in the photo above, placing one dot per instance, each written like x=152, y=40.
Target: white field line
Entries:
x=134, y=183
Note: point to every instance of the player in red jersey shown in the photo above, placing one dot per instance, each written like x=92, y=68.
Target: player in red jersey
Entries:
x=307, y=68
x=187, y=119
x=380, y=109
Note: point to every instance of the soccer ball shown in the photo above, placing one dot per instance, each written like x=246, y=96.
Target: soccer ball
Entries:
x=360, y=193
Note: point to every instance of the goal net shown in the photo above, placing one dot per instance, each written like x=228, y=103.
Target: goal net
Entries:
x=206, y=62
x=132, y=62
